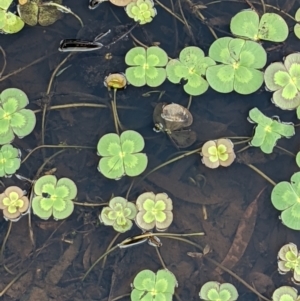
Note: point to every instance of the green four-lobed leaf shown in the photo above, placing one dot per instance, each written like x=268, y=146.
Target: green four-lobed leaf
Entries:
x=239, y=60
x=53, y=197
x=191, y=66
x=120, y=155
x=9, y=160
x=118, y=214
x=285, y=293
x=297, y=26
x=14, y=119
x=9, y=22
x=146, y=66
x=268, y=131
x=213, y=291
x=142, y=11
x=285, y=197
x=284, y=79
x=271, y=26
x=148, y=286
x=33, y=13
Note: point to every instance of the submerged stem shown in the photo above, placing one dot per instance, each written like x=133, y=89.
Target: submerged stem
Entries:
x=98, y=260
x=223, y=268
x=261, y=174
x=5, y=240
x=55, y=146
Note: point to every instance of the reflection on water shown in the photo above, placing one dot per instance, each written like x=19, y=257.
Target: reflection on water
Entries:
x=214, y=201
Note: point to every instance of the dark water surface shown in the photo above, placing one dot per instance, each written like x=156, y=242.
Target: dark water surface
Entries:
x=63, y=252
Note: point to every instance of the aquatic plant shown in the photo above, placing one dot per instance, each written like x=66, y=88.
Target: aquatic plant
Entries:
x=146, y=66
x=297, y=26
x=271, y=26
x=10, y=160
x=148, y=286
x=284, y=79
x=239, y=60
x=53, y=197
x=285, y=198
x=285, y=293
x=217, y=152
x=13, y=203
x=268, y=130
x=154, y=210
x=298, y=159
x=115, y=81
x=14, y=119
x=191, y=66
x=33, y=13
x=9, y=22
x=171, y=119
x=142, y=11
x=214, y=291
x=121, y=155
x=118, y=214
x=289, y=260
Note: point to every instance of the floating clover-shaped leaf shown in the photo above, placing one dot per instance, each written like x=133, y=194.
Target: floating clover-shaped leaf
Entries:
x=298, y=159
x=289, y=260
x=268, y=131
x=191, y=66
x=285, y=293
x=142, y=11
x=218, y=152
x=284, y=79
x=33, y=13
x=146, y=66
x=148, y=286
x=297, y=26
x=285, y=197
x=154, y=211
x=121, y=155
x=9, y=22
x=239, y=60
x=214, y=291
x=5, y=4
x=9, y=160
x=14, y=119
x=271, y=27
x=53, y=197
x=13, y=203
x=118, y=214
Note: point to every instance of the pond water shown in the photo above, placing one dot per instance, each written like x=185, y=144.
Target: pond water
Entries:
x=204, y=200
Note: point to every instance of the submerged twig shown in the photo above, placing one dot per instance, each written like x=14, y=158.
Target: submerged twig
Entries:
x=48, y=92
x=5, y=240
x=25, y=67
x=73, y=105
x=4, y=61
x=223, y=268
x=55, y=146
x=169, y=11
x=261, y=174
x=186, y=23
x=145, y=235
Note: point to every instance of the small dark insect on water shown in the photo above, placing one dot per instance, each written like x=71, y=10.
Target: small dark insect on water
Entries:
x=172, y=119
x=46, y=195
